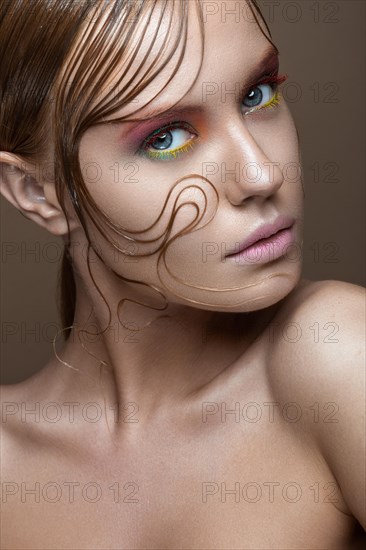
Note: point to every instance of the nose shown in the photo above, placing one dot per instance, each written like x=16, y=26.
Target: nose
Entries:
x=247, y=171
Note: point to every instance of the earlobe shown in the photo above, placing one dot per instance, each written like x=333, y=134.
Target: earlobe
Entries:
x=36, y=200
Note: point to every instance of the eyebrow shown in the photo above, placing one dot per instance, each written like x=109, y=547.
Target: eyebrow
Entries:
x=268, y=61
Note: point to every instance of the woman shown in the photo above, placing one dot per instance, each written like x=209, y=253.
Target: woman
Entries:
x=182, y=410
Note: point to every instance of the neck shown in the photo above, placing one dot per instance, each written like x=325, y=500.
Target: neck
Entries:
x=155, y=359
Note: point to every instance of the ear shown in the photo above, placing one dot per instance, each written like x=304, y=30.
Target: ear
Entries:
x=32, y=195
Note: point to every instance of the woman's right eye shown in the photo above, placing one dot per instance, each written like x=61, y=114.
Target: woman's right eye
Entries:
x=168, y=142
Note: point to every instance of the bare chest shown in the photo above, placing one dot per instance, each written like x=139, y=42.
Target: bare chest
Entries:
x=235, y=486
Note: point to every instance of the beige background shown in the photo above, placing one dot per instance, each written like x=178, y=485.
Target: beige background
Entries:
x=322, y=47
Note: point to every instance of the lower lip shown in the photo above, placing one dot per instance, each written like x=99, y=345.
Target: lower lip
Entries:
x=266, y=250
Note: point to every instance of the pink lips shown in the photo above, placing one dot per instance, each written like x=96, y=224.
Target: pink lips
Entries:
x=268, y=242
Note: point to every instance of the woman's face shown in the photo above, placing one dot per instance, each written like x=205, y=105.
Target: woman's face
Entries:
x=233, y=150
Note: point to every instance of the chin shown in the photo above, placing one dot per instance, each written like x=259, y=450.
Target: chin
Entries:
x=264, y=290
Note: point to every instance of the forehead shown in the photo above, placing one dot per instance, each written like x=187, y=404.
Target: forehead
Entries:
x=233, y=41
x=216, y=41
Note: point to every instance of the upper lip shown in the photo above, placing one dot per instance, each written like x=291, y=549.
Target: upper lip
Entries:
x=264, y=231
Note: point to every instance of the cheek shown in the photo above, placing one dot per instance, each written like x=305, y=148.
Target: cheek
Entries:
x=288, y=144
x=291, y=157
x=277, y=136
x=145, y=201
x=140, y=195
x=124, y=188
x=289, y=141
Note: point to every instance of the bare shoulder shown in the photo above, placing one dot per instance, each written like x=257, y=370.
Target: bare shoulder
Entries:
x=323, y=312
x=318, y=363
x=318, y=343
x=322, y=321
x=21, y=419
x=11, y=430
x=14, y=398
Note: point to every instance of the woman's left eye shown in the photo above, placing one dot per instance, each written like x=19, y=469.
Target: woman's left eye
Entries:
x=260, y=96
x=168, y=142
x=265, y=94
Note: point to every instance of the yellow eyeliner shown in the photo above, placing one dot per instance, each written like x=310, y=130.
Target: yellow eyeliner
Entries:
x=170, y=154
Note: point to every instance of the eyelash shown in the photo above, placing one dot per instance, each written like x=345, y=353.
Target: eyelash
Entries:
x=274, y=79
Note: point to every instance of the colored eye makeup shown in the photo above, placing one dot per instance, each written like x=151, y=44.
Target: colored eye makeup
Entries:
x=170, y=141
x=178, y=137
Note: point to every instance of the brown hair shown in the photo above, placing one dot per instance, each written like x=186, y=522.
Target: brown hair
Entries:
x=39, y=40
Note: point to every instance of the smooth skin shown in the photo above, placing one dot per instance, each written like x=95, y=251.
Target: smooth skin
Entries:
x=146, y=452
